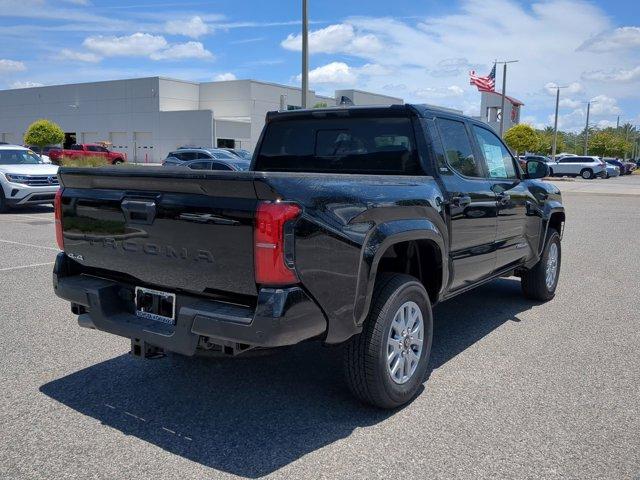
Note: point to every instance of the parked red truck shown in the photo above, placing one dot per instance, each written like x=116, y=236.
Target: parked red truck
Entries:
x=84, y=150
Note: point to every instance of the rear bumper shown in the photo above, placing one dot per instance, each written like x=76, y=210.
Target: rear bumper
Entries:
x=283, y=316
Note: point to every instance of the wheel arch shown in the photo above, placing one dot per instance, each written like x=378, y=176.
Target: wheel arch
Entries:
x=392, y=247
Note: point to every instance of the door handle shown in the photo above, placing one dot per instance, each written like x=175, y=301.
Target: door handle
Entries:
x=503, y=198
x=461, y=200
x=139, y=211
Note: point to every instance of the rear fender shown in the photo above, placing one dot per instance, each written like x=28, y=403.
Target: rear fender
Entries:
x=379, y=240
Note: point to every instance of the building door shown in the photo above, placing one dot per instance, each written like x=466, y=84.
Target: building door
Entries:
x=69, y=139
x=226, y=143
x=7, y=138
x=143, y=147
x=119, y=141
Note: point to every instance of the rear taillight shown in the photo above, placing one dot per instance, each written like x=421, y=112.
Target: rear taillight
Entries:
x=57, y=211
x=273, y=243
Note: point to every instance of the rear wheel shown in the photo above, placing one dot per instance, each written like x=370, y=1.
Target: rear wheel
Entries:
x=386, y=364
x=587, y=174
x=540, y=282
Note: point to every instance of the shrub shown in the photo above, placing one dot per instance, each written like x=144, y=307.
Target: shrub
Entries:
x=84, y=162
x=42, y=133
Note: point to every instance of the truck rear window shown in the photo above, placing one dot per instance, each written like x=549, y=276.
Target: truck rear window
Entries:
x=383, y=146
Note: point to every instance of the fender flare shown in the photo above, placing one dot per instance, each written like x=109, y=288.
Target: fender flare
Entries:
x=378, y=241
x=549, y=209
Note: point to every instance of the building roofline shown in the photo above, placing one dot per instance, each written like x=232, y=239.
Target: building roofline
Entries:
x=368, y=93
x=513, y=100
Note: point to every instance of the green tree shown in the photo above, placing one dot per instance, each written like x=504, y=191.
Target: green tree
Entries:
x=606, y=143
x=320, y=105
x=522, y=138
x=42, y=133
x=546, y=141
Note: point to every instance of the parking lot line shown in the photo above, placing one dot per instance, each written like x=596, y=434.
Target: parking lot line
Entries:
x=7, y=269
x=29, y=245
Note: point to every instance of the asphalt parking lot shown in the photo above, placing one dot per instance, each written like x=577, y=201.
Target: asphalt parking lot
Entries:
x=516, y=389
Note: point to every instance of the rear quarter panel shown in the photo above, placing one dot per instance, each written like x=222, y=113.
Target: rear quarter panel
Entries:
x=336, y=231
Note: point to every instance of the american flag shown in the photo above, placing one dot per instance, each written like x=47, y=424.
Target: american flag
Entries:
x=484, y=84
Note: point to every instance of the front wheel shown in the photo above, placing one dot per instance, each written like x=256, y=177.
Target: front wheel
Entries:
x=540, y=282
x=3, y=202
x=386, y=364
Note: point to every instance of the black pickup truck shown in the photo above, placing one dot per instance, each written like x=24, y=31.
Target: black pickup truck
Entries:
x=350, y=225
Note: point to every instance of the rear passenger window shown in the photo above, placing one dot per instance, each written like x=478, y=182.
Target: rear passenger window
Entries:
x=220, y=166
x=200, y=165
x=457, y=147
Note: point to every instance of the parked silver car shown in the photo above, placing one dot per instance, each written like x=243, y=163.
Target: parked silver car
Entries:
x=583, y=166
x=612, y=170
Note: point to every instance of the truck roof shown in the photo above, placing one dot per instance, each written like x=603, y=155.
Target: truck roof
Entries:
x=420, y=110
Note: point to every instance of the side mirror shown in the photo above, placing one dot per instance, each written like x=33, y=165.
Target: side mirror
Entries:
x=537, y=169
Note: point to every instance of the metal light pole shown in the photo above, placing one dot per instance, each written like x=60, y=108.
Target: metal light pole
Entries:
x=555, y=125
x=586, y=131
x=504, y=88
x=305, y=55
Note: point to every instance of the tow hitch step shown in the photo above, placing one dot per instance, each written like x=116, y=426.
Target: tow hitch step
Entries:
x=143, y=350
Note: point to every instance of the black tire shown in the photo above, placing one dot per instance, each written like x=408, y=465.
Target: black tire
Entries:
x=586, y=173
x=551, y=172
x=534, y=280
x=365, y=356
x=3, y=202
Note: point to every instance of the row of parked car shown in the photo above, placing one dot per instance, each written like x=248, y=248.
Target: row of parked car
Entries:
x=207, y=158
x=585, y=166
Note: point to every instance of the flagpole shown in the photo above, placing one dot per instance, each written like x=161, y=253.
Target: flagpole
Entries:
x=504, y=88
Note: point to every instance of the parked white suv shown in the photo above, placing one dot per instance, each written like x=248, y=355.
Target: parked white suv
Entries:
x=585, y=167
x=24, y=178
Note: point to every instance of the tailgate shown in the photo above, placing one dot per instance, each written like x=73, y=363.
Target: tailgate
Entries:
x=173, y=229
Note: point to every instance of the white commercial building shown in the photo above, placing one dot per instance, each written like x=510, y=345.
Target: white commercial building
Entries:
x=149, y=117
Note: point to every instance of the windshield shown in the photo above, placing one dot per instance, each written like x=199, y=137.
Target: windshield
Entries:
x=18, y=157
x=221, y=154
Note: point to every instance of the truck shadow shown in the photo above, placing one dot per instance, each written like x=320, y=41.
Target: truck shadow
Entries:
x=253, y=416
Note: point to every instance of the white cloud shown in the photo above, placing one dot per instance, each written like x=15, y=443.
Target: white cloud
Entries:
x=222, y=77
x=570, y=103
x=89, y=57
x=10, y=66
x=607, y=41
x=25, y=84
x=139, y=44
x=433, y=94
x=135, y=45
x=340, y=38
x=604, y=105
x=615, y=75
x=193, y=27
x=605, y=123
x=334, y=72
x=181, y=51
x=572, y=88
x=425, y=55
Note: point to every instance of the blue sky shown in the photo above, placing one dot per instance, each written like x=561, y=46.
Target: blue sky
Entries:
x=418, y=50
